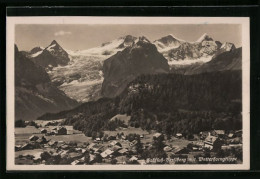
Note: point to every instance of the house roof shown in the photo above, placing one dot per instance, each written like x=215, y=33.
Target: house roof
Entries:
x=211, y=139
x=133, y=158
x=92, y=145
x=122, y=151
x=114, y=142
x=179, y=134
x=106, y=153
x=221, y=132
x=167, y=149
x=157, y=135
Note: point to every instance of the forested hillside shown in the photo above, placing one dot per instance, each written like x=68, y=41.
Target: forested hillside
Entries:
x=169, y=103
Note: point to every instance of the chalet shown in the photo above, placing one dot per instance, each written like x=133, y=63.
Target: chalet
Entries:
x=52, y=143
x=157, y=135
x=116, y=148
x=76, y=162
x=106, y=153
x=74, y=155
x=97, y=140
x=112, y=138
x=230, y=135
x=123, y=151
x=33, y=138
x=141, y=162
x=27, y=146
x=133, y=158
x=167, y=149
x=44, y=131
x=204, y=134
x=92, y=146
x=113, y=143
x=209, y=142
x=133, y=143
x=91, y=158
x=218, y=133
x=61, y=131
x=42, y=140
x=179, y=135
x=123, y=137
x=65, y=147
x=70, y=130
x=18, y=147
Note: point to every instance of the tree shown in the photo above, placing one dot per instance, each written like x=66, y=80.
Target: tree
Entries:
x=139, y=146
x=20, y=123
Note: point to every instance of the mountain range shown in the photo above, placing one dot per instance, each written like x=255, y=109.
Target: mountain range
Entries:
x=105, y=71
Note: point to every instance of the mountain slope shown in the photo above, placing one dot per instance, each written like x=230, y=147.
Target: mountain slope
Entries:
x=155, y=101
x=34, y=92
x=226, y=61
x=140, y=58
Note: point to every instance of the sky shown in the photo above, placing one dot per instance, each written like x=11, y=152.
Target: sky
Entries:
x=81, y=37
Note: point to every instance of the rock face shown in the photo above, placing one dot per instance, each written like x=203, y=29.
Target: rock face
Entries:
x=34, y=92
x=140, y=58
x=51, y=56
x=226, y=61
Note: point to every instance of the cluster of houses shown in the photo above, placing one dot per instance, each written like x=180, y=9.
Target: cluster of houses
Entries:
x=116, y=149
x=58, y=130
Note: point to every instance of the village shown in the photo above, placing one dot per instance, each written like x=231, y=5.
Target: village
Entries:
x=53, y=143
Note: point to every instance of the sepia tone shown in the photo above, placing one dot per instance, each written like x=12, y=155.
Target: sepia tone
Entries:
x=130, y=94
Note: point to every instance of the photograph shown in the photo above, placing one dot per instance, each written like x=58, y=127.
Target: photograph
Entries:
x=128, y=93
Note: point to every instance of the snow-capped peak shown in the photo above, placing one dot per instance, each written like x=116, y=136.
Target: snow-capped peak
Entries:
x=227, y=46
x=54, y=42
x=144, y=39
x=176, y=38
x=206, y=37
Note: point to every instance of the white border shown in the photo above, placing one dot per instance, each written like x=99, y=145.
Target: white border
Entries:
x=12, y=21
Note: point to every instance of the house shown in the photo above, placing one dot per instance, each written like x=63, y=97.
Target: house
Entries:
x=133, y=143
x=133, y=158
x=112, y=138
x=33, y=138
x=218, y=133
x=52, y=143
x=157, y=135
x=43, y=131
x=230, y=135
x=141, y=162
x=27, y=146
x=74, y=155
x=179, y=135
x=116, y=148
x=92, y=146
x=42, y=140
x=141, y=136
x=97, y=140
x=209, y=141
x=167, y=149
x=18, y=147
x=70, y=130
x=123, y=151
x=106, y=153
x=113, y=143
x=61, y=131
